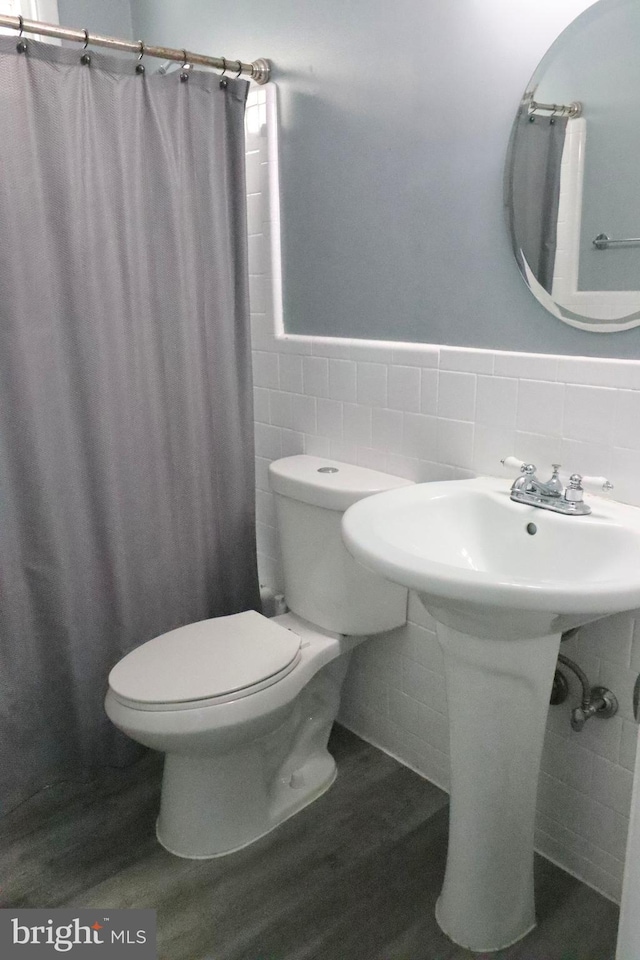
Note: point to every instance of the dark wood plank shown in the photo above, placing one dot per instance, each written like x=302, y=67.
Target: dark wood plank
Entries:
x=355, y=876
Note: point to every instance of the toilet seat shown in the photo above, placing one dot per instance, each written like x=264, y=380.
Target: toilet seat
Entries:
x=208, y=662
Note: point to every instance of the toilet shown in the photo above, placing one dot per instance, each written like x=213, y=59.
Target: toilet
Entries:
x=243, y=705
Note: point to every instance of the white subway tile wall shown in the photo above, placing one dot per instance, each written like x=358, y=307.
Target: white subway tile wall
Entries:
x=437, y=413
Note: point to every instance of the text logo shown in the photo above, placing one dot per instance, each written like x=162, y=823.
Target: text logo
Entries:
x=79, y=933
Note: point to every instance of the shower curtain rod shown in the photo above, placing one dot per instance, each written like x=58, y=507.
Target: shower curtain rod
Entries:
x=571, y=110
x=259, y=70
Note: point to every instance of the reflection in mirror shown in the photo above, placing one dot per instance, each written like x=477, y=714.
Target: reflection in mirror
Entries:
x=572, y=179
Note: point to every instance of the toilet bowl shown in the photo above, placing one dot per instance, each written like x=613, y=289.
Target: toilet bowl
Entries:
x=243, y=705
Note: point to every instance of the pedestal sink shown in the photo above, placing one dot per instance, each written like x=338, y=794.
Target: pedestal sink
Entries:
x=503, y=581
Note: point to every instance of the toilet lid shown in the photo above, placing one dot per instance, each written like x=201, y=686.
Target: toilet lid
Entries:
x=206, y=659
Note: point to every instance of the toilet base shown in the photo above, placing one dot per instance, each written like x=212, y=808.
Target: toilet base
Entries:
x=212, y=805
x=288, y=802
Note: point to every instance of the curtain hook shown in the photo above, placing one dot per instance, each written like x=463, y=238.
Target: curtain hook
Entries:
x=239, y=62
x=86, y=57
x=223, y=79
x=186, y=66
x=140, y=66
x=21, y=45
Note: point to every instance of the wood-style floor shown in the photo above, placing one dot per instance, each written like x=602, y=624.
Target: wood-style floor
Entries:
x=355, y=876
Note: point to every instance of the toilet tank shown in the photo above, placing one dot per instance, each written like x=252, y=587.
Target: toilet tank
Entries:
x=322, y=582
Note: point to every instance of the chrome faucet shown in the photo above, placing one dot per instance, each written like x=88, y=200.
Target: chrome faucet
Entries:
x=552, y=494
x=530, y=485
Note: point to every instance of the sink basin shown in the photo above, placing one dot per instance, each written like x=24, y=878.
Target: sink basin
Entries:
x=503, y=580
x=478, y=565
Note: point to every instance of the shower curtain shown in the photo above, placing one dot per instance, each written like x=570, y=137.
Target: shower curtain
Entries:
x=533, y=191
x=126, y=444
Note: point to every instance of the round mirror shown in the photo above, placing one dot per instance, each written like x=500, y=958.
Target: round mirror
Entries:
x=572, y=179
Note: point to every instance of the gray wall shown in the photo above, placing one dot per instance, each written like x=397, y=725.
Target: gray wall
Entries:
x=395, y=119
x=109, y=17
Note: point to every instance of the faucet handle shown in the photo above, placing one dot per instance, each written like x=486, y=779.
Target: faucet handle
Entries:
x=512, y=463
x=578, y=484
x=575, y=491
x=597, y=484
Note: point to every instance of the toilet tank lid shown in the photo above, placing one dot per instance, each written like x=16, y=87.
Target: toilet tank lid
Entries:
x=328, y=483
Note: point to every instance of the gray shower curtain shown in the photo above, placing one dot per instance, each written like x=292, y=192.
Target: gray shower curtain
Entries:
x=533, y=191
x=126, y=445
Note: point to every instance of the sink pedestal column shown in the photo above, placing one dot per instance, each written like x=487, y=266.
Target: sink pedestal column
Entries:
x=498, y=698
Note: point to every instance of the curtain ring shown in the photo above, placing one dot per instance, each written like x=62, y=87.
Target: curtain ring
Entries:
x=86, y=57
x=239, y=62
x=21, y=45
x=186, y=66
x=140, y=66
x=224, y=66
